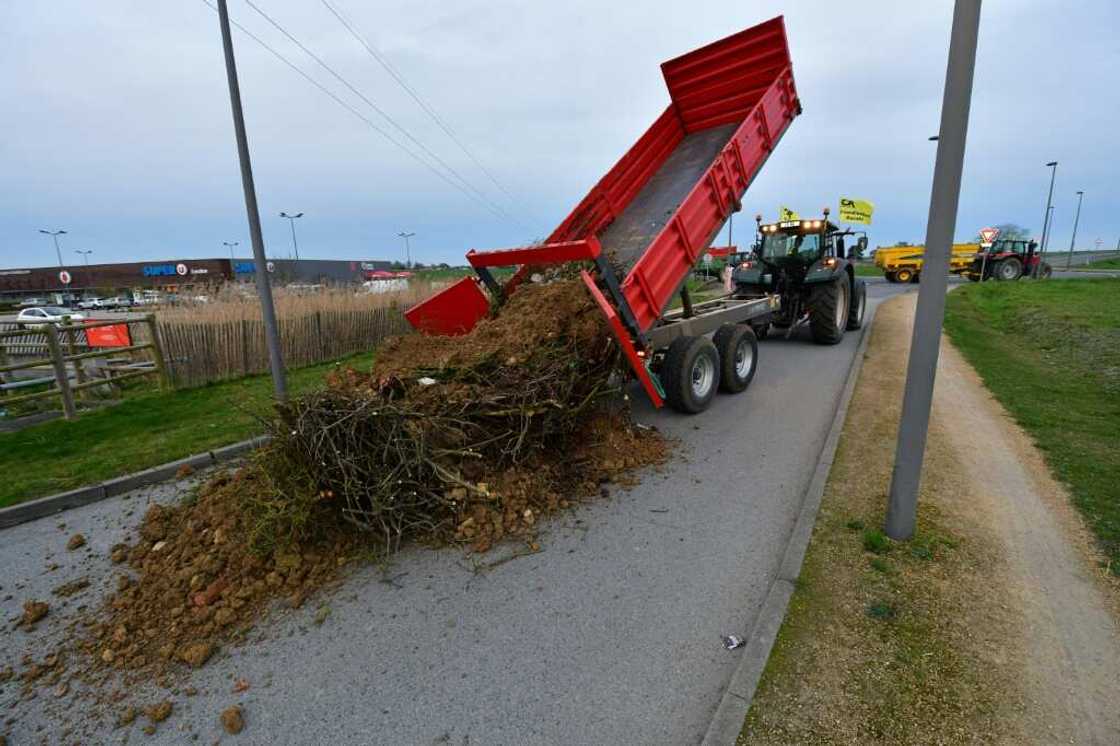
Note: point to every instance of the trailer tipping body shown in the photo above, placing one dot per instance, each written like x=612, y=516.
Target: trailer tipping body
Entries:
x=644, y=226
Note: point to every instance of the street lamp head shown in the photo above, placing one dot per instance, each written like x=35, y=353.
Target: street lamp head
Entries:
x=934, y=138
x=298, y=215
x=1052, y=163
x=1079, y=193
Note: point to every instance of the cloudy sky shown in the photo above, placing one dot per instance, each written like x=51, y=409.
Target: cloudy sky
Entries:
x=115, y=123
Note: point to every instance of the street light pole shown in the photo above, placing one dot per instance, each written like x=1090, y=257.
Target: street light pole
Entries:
x=85, y=254
x=55, y=235
x=230, y=246
x=902, y=508
x=1046, y=226
x=1076, y=219
x=264, y=287
x=407, y=247
x=292, y=222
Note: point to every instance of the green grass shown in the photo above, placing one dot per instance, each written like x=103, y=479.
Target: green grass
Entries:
x=1112, y=263
x=148, y=428
x=867, y=270
x=1050, y=352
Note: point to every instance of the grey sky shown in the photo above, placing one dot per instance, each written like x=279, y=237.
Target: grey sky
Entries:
x=115, y=122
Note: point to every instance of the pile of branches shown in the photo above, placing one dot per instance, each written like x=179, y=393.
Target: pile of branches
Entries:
x=405, y=449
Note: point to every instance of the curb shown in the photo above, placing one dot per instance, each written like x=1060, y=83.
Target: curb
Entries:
x=44, y=506
x=727, y=721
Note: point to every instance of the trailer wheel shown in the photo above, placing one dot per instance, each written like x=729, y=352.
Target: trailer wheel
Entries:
x=858, y=306
x=761, y=331
x=973, y=277
x=690, y=374
x=828, y=310
x=903, y=275
x=916, y=278
x=1046, y=271
x=891, y=278
x=738, y=356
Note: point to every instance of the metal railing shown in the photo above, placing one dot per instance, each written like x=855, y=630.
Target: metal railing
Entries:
x=63, y=354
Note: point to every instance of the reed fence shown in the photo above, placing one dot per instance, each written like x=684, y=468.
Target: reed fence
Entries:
x=199, y=352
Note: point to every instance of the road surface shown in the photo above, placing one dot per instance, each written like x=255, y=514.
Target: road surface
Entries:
x=611, y=634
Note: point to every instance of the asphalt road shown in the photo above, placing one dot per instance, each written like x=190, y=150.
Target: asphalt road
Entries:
x=611, y=634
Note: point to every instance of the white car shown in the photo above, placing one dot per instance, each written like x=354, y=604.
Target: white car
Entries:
x=36, y=317
x=91, y=303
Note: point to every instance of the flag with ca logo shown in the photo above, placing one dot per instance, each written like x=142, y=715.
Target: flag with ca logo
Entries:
x=784, y=213
x=855, y=210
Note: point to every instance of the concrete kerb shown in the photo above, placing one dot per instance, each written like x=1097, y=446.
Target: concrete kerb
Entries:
x=727, y=722
x=52, y=504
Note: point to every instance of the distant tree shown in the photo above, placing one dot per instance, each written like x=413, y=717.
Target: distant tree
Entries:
x=396, y=264
x=1012, y=231
x=444, y=265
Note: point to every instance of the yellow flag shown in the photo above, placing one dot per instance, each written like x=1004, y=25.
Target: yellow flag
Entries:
x=855, y=210
x=784, y=213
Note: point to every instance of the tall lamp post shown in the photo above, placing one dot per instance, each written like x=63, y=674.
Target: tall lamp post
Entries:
x=1053, y=166
x=55, y=235
x=85, y=254
x=292, y=223
x=229, y=245
x=264, y=286
x=1076, y=219
x=921, y=369
x=407, y=247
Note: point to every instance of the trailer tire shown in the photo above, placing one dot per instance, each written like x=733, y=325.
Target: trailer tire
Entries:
x=858, y=306
x=916, y=278
x=973, y=277
x=761, y=331
x=903, y=276
x=828, y=310
x=891, y=278
x=737, y=346
x=690, y=374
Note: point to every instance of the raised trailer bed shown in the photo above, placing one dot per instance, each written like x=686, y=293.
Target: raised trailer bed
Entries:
x=646, y=224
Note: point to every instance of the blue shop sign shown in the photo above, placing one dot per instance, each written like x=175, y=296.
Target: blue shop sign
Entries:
x=244, y=268
x=159, y=270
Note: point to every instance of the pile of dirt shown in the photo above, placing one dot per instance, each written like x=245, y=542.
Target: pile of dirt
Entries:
x=468, y=440
x=444, y=429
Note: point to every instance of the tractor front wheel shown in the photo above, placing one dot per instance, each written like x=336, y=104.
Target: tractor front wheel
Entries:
x=738, y=356
x=690, y=374
x=858, y=306
x=828, y=310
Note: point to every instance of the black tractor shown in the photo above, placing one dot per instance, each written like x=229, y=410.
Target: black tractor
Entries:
x=805, y=263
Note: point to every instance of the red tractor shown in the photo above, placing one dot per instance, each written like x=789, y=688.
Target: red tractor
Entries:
x=1008, y=259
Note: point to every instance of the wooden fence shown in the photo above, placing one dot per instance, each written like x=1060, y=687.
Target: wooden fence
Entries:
x=201, y=352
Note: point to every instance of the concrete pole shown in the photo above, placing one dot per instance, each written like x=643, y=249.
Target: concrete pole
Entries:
x=1048, y=219
x=264, y=287
x=916, y=401
x=1076, y=220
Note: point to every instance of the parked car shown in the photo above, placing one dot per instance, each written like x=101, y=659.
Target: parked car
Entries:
x=30, y=318
x=32, y=302
x=119, y=301
x=92, y=303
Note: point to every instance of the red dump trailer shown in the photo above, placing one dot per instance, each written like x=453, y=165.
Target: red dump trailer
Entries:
x=645, y=225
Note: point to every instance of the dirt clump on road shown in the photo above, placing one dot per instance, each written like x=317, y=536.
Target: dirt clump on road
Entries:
x=233, y=720
x=33, y=611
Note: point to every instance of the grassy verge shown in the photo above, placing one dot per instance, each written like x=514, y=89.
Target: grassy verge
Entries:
x=867, y=270
x=1113, y=263
x=1050, y=352
x=885, y=642
x=145, y=430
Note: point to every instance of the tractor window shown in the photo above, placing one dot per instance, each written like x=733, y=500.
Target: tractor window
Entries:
x=783, y=244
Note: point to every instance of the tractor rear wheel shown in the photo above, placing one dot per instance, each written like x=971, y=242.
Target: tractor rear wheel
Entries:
x=1008, y=270
x=858, y=306
x=828, y=310
x=903, y=275
x=690, y=374
x=738, y=356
